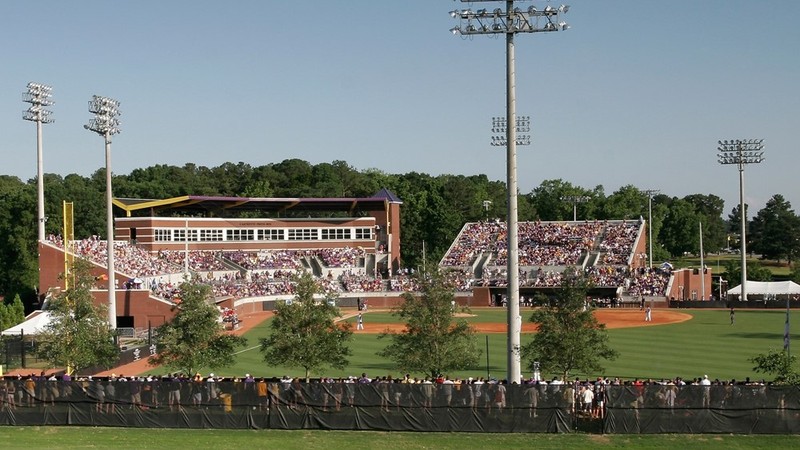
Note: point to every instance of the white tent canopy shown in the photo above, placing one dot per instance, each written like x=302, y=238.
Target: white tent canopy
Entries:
x=35, y=323
x=767, y=288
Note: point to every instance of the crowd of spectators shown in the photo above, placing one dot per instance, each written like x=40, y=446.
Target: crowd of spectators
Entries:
x=268, y=272
x=128, y=259
x=267, y=259
x=198, y=260
x=647, y=282
x=345, y=257
x=360, y=282
x=608, y=276
x=543, y=243
x=474, y=239
x=258, y=285
x=617, y=242
x=550, y=244
x=585, y=397
x=403, y=282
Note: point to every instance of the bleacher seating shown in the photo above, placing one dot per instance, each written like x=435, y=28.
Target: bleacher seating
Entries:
x=603, y=250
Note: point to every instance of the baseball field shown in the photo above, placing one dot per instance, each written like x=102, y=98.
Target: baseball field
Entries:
x=685, y=343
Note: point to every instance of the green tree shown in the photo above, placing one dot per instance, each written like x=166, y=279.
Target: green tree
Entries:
x=755, y=272
x=427, y=218
x=304, y=332
x=551, y=200
x=434, y=342
x=5, y=321
x=779, y=364
x=628, y=202
x=734, y=227
x=775, y=231
x=195, y=338
x=293, y=178
x=794, y=275
x=15, y=312
x=710, y=208
x=18, y=248
x=569, y=337
x=11, y=313
x=680, y=231
x=78, y=335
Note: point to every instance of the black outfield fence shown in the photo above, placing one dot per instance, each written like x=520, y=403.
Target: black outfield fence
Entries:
x=398, y=407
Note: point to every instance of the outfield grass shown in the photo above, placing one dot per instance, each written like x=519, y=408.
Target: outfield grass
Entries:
x=707, y=344
x=65, y=438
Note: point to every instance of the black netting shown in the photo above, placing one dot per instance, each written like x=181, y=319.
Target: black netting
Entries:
x=738, y=409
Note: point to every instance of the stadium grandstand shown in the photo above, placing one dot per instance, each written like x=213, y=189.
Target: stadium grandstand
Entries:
x=248, y=250
x=610, y=253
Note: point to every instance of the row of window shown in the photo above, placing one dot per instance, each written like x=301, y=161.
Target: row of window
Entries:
x=261, y=234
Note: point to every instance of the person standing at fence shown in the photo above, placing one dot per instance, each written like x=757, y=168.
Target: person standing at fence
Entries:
x=427, y=393
x=261, y=393
x=706, y=384
x=51, y=393
x=360, y=322
x=532, y=398
x=175, y=393
x=30, y=390
x=587, y=396
x=98, y=391
x=600, y=399
x=500, y=396
x=670, y=395
x=111, y=395
x=648, y=317
x=10, y=395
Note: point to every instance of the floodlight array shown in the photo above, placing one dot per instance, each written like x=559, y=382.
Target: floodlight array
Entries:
x=499, y=126
x=575, y=198
x=740, y=151
x=106, y=111
x=516, y=20
x=39, y=96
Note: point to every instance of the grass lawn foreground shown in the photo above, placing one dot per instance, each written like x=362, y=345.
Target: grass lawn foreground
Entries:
x=66, y=438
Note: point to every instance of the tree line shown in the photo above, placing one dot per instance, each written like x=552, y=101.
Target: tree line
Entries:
x=433, y=212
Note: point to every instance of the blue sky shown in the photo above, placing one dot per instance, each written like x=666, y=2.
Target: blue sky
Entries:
x=636, y=92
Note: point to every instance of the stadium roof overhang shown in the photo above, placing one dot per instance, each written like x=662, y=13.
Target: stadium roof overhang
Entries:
x=204, y=204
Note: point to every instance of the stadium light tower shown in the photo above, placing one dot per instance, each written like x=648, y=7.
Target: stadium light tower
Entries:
x=741, y=152
x=575, y=199
x=38, y=95
x=106, y=124
x=510, y=22
x=650, y=193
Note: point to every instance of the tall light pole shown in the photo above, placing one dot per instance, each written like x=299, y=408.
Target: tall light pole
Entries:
x=38, y=95
x=510, y=22
x=741, y=152
x=650, y=193
x=106, y=124
x=486, y=205
x=575, y=199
